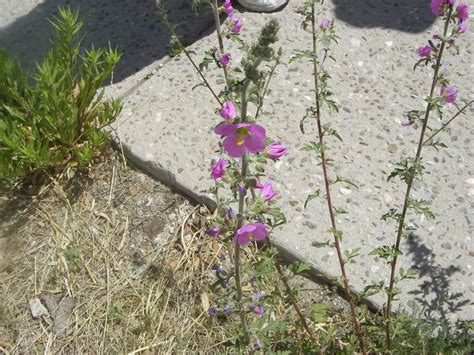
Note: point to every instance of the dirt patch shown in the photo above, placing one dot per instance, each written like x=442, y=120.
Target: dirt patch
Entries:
x=110, y=260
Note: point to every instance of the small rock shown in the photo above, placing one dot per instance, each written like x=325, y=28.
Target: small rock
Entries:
x=470, y=192
x=37, y=309
x=446, y=245
x=154, y=227
x=345, y=191
x=392, y=148
x=470, y=181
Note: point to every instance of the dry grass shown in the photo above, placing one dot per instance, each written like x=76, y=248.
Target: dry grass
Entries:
x=137, y=286
x=133, y=292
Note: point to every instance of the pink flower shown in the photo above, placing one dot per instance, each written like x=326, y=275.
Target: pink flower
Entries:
x=251, y=232
x=218, y=169
x=228, y=9
x=462, y=12
x=276, y=150
x=267, y=191
x=324, y=24
x=438, y=6
x=225, y=59
x=242, y=137
x=424, y=51
x=461, y=28
x=213, y=232
x=236, y=25
x=449, y=94
x=258, y=309
x=228, y=111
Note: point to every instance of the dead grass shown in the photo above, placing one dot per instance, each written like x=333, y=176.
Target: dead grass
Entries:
x=131, y=257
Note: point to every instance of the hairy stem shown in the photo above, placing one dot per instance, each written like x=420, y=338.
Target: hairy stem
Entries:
x=427, y=140
x=219, y=38
x=240, y=221
x=401, y=224
x=332, y=217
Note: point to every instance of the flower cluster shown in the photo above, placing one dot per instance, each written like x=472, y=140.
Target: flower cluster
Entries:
x=430, y=52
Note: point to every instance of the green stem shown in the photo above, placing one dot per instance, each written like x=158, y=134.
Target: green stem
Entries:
x=332, y=217
x=447, y=123
x=240, y=222
x=217, y=20
x=393, y=262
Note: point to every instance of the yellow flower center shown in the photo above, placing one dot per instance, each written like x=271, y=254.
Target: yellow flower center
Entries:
x=241, y=134
x=249, y=236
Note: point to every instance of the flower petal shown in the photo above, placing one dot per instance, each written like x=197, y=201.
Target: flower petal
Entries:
x=232, y=148
x=225, y=129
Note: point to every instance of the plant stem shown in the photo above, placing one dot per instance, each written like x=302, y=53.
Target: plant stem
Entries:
x=265, y=90
x=164, y=17
x=393, y=262
x=219, y=38
x=240, y=221
x=347, y=288
x=447, y=123
x=291, y=297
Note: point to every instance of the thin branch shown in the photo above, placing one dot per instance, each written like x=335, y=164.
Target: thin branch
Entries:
x=332, y=217
x=393, y=262
x=169, y=25
x=447, y=123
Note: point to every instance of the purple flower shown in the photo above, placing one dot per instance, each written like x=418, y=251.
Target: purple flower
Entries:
x=258, y=309
x=257, y=345
x=225, y=59
x=462, y=12
x=213, y=311
x=213, y=231
x=324, y=24
x=258, y=297
x=236, y=25
x=227, y=308
x=461, y=28
x=218, y=169
x=276, y=150
x=242, y=190
x=424, y=51
x=228, y=111
x=228, y=9
x=229, y=212
x=267, y=191
x=250, y=233
x=217, y=268
x=242, y=137
x=437, y=6
x=449, y=94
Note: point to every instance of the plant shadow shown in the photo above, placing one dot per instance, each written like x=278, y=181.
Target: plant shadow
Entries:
x=435, y=296
x=411, y=16
x=133, y=27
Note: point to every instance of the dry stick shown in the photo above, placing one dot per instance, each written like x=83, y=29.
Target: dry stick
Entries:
x=393, y=263
x=447, y=123
x=347, y=288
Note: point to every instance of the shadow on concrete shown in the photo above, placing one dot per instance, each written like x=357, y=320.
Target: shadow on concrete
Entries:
x=434, y=295
x=402, y=15
x=133, y=27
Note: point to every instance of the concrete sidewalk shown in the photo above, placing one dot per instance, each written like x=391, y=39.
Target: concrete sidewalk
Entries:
x=166, y=128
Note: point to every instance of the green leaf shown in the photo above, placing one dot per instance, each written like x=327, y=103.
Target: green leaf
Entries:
x=386, y=252
x=311, y=197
